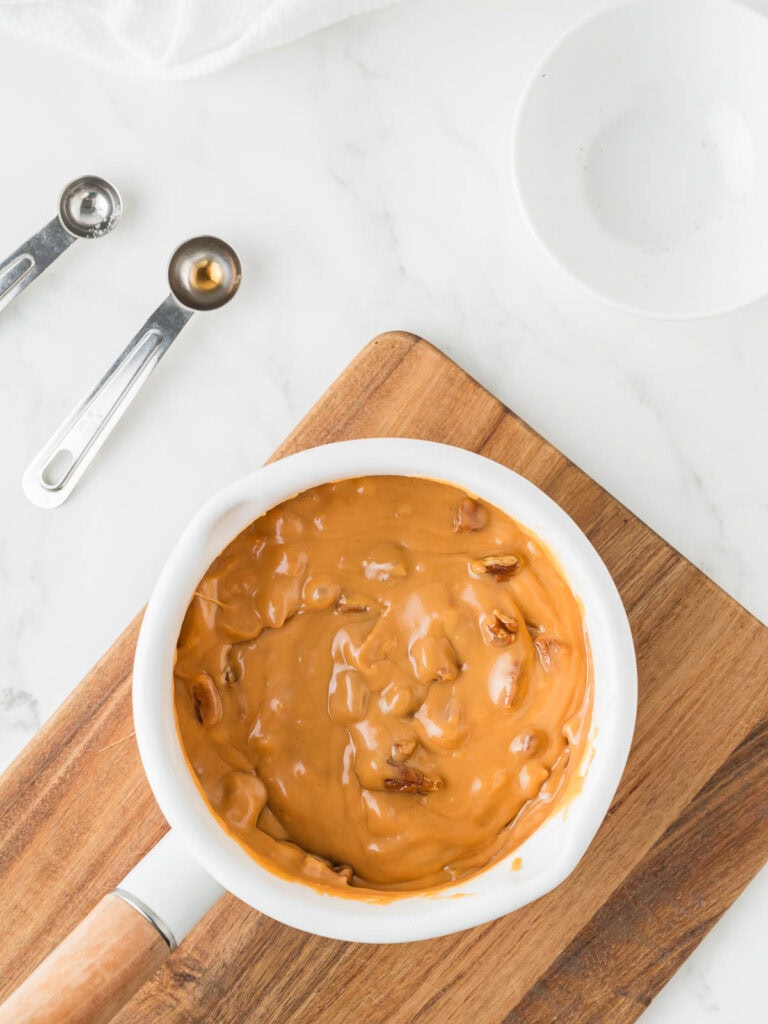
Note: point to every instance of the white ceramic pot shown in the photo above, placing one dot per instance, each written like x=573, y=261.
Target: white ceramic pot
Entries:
x=182, y=877
x=97, y=968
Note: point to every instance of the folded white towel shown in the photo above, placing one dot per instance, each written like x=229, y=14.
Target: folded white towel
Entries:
x=171, y=38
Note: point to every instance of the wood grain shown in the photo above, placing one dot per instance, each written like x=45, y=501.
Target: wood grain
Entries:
x=654, y=919
x=94, y=972
x=686, y=831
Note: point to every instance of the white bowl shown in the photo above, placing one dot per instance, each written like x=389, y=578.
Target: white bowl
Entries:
x=547, y=857
x=640, y=155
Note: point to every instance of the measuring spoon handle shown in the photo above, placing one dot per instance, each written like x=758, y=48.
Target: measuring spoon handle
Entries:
x=52, y=475
x=30, y=259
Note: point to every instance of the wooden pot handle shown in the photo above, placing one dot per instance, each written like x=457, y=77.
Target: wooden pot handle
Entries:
x=93, y=972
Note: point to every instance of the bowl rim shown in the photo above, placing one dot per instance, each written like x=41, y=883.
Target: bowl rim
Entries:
x=553, y=850
x=648, y=311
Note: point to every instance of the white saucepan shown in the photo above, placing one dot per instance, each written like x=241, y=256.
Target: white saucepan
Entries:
x=131, y=931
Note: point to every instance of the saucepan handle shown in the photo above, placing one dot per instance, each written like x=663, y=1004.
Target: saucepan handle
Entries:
x=120, y=944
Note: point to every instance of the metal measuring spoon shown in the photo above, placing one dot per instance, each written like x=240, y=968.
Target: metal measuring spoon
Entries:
x=204, y=273
x=89, y=207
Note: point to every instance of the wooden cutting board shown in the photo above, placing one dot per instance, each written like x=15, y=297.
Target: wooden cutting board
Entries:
x=686, y=832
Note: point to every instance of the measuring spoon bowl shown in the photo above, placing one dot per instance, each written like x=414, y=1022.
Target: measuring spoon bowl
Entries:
x=204, y=273
x=89, y=207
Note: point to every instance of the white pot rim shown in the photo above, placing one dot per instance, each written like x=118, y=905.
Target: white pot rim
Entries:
x=546, y=858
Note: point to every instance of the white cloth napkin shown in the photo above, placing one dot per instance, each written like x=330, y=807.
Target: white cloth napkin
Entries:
x=171, y=39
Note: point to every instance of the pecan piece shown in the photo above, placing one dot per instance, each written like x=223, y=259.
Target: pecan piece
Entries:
x=245, y=797
x=531, y=778
x=434, y=659
x=510, y=691
x=348, y=603
x=399, y=698
x=528, y=742
x=206, y=699
x=347, y=696
x=547, y=649
x=228, y=674
x=501, y=567
x=402, y=751
x=470, y=516
x=499, y=629
x=386, y=561
x=508, y=695
x=411, y=780
x=320, y=592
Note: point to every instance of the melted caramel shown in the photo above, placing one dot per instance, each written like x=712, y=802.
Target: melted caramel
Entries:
x=383, y=684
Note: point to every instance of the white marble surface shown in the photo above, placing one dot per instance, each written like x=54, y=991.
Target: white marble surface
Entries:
x=363, y=175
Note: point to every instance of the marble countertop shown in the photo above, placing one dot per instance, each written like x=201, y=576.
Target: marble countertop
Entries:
x=363, y=175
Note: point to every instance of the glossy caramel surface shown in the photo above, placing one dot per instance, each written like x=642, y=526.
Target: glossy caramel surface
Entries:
x=383, y=683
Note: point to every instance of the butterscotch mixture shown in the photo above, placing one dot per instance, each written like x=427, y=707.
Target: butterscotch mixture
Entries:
x=383, y=683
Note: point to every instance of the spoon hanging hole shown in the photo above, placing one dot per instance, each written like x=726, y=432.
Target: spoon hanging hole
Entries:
x=54, y=473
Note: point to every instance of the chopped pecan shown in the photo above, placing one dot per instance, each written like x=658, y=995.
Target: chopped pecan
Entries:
x=531, y=778
x=386, y=561
x=245, y=797
x=206, y=699
x=348, y=696
x=402, y=751
x=400, y=698
x=527, y=742
x=348, y=603
x=434, y=659
x=320, y=592
x=501, y=567
x=470, y=516
x=547, y=649
x=508, y=694
x=499, y=629
x=411, y=780
x=511, y=688
x=345, y=871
